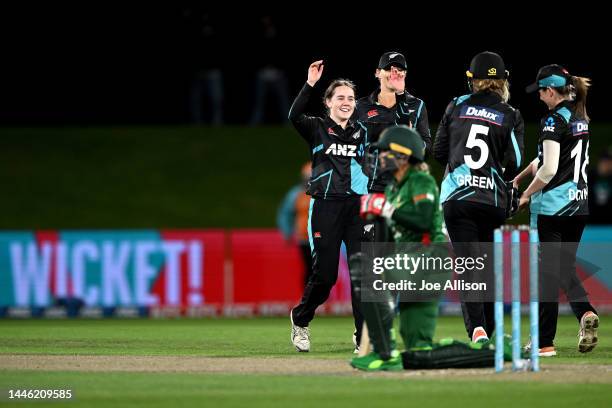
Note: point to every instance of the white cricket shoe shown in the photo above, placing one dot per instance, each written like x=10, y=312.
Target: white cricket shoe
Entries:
x=300, y=336
x=587, y=336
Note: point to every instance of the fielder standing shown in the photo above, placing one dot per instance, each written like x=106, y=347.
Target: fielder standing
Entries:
x=559, y=201
x=480, y=141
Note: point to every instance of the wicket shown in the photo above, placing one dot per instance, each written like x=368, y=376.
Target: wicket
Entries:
x=517, y=362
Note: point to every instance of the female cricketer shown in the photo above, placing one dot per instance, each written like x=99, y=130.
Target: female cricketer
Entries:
x=388, y=105
x=337, y=149
x=480, y=141
x=559, y=201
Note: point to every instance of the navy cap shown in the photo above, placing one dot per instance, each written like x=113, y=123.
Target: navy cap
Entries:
x=550, y=76
x=392, y=58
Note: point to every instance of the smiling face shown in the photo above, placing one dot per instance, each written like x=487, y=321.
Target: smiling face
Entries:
x=341, y=104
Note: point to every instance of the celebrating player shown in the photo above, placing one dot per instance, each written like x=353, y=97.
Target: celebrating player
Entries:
x=480, y=141
x=390, y=104
x=337, y=181
x=559, y=202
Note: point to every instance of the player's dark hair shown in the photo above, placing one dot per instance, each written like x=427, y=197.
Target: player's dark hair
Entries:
x=577, y=92
x=329, y=92
x=499, y=86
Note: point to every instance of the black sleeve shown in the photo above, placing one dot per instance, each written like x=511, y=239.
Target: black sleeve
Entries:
x=422, y=120
x=374, y=130
x=305, y=125
x=423, y=129
x=441, y=144
x=554, y=128
x=515, y=151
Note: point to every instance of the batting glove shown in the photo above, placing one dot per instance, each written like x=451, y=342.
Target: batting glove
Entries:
x=372, y=205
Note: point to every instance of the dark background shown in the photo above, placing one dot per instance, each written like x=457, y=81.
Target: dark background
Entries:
x=82, y=65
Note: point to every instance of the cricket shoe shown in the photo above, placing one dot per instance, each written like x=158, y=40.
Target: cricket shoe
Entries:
x=479, y=335
x=548, y=351
x=587, y=336
x=373, y=362
x=300, y=336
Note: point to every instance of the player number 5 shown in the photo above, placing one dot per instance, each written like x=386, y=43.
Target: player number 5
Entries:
x=472, y=142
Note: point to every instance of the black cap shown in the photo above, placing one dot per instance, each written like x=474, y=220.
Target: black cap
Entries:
x=550, y=76
x=392, y=58
x=487, y=65
x=402, y=139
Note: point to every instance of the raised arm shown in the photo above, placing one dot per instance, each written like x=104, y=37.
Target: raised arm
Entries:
x=306, y=125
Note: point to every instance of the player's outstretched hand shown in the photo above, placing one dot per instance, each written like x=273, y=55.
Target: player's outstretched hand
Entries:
x=315, y=70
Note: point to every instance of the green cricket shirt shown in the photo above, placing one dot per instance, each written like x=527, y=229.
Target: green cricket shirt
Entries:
x=418, y=214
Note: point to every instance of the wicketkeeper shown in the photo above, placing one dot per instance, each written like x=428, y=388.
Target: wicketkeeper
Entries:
x=411, y=208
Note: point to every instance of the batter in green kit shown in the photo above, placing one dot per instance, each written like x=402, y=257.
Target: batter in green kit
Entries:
x=411, y=207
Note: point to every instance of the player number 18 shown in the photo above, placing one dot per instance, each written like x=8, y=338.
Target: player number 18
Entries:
x=577, y=153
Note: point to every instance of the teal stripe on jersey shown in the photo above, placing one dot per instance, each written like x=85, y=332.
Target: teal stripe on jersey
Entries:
x=359, y=181
x=565, y=113
x=517, y=151
x=450, y=184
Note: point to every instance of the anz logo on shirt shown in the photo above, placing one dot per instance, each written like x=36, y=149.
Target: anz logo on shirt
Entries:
x=549, y=125
x=338, y=149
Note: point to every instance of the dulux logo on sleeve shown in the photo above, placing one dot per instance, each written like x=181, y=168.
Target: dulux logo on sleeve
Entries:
x=580, y=127
x=484, y=114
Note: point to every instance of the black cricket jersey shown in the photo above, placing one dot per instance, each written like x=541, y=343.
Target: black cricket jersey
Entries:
x=337, y=154
x=408, y=110
x=567, y=192
x=480, y=140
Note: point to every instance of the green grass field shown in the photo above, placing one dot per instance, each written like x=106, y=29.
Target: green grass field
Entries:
x=244, y=362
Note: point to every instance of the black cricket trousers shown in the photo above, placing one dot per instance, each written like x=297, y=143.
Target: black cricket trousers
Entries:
x=470, y=226
x=559, y=237
x=330, y=223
